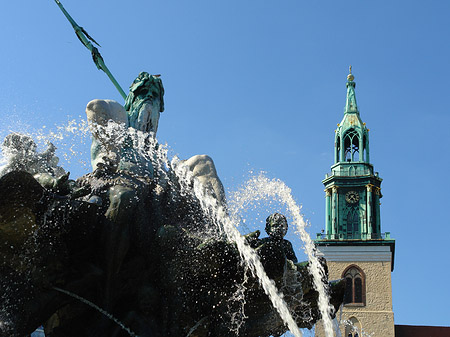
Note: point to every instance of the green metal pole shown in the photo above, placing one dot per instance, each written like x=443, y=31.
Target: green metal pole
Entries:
x=84, y=37
x=334, y=205
x=369, y=210
x=377, y=210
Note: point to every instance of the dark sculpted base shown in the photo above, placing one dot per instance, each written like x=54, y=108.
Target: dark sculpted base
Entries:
x=143, y=252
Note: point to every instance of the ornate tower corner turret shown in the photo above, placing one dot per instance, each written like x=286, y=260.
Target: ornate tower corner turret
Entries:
x=353, y=244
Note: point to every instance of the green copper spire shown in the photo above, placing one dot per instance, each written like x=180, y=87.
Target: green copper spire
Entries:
x=352, y=135
x=353, y=188
x=352, y=193
x=351, y=106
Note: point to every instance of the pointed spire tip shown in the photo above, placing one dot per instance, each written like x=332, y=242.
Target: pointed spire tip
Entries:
x=350, y=76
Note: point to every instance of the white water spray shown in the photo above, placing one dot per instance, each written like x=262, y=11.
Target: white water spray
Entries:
x=157, y=154
x=228, y=224
x=35, y=150
x=260, y=187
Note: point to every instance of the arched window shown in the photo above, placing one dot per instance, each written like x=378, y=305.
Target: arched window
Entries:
x=354, y=286
x=352, y=222
x=365, y=149
x=338, y=149
x=351, y=146
x=352, y=327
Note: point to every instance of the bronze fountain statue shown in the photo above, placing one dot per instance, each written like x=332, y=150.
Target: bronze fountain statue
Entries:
x=128, y=250
x=127, y=239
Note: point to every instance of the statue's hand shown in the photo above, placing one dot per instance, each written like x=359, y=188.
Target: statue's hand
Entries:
x=253, y=238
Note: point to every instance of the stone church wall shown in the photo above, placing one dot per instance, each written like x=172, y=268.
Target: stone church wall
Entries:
x=376, y=317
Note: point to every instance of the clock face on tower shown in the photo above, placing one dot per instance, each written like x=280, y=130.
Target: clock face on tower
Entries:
x=352, y=197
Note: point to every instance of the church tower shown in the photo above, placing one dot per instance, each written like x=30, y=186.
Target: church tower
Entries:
x=353, y=245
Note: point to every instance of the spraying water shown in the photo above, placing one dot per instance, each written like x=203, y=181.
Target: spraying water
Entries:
x=150, y=151
x=261, y=187
x=228, y=226
x=256, y=188
x=21, y=150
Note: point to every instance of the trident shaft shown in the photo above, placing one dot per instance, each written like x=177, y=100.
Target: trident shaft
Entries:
x=85, y=39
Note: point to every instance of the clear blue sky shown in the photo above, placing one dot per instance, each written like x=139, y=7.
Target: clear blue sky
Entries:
x=260, y=85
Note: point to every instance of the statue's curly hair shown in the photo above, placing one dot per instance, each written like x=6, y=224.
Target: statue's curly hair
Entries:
x=150, y=84
x=276, y=218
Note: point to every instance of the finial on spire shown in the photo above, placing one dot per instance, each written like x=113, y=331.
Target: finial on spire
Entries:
x=350, y=77
x=350, y=106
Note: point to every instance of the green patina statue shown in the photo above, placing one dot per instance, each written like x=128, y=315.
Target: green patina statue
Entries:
x=135, y=244
x=143, y=106
x=145, y=102
x=119, y=133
